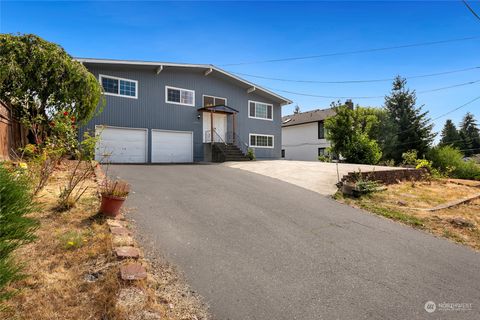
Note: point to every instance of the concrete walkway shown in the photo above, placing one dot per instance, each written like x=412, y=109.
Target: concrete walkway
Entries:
x=316, y=176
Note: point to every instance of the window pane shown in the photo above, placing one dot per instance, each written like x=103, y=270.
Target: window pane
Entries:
x=270, y=141
x=127, y=88
x=252, y=141
x=269, y=112
x=262, y=141
x=186, y=97
x=173, y=95
x=261, y=110
x=208, y=101
x=110, y=85
x=321, y=130
x=220, y=102
x=252, y=109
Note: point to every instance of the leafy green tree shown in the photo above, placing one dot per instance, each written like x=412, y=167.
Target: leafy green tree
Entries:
x=352, y=134
x=38, y=78
x=16, y=229
x=469, y=134
x=410, y=126
x=450, y=135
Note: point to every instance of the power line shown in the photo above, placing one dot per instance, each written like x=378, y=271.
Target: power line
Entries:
x=420, y=44
x=368, y=97
x=471, y=9
x=436, y=118
x=353, y=81
x=457, y=108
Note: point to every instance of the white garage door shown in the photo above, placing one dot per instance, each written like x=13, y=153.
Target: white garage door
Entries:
x=172, y=146
x=121, y=145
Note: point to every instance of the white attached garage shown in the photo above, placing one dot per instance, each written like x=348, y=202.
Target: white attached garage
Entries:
x=121, y=145
x=172, y=146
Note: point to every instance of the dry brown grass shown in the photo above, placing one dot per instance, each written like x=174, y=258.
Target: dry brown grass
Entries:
x=404, y=202
x=73, y=274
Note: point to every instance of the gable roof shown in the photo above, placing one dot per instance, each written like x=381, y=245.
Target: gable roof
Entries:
x=206, y=68
x=307, y=117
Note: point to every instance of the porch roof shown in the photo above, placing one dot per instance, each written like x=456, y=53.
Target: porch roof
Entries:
x=219, y=108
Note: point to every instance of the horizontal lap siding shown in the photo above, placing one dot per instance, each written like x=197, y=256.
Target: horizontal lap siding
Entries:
x=150, y=111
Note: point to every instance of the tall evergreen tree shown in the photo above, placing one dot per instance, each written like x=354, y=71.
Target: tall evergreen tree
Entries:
x=410, y=126
x=450, y=135
x=470, y=135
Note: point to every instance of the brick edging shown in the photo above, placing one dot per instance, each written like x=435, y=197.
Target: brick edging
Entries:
x=132, y=265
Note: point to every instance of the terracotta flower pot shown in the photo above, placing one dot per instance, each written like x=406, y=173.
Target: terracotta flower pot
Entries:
x=111, y=205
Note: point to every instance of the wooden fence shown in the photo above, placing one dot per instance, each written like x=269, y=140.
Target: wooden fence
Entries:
x=12, y=134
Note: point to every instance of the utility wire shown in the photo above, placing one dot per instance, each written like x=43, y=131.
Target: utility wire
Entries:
x=369, y=97
x=457, y=108
x=353, y=81
x=411, y=45
x=436, y=118
x=441, y=116
x=471, y=9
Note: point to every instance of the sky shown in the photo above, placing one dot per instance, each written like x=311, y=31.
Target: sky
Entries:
x=229, y=34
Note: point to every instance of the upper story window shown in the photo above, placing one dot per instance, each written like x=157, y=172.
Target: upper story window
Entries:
x=179, y=96
x=210, y=101
x=260, y=110
x=321, y=130
x=261, y=140
x=119, y=87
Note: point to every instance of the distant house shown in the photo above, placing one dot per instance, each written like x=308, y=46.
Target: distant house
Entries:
x=169, y=112
x=304, y=136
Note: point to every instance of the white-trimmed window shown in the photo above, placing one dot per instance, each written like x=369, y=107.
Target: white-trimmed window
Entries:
x=261, y=140
x=115, y=86
x=180, y=96
x=260, y=110
x=210, y=101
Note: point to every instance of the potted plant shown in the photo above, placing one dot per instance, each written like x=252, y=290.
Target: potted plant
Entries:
x=114, y=193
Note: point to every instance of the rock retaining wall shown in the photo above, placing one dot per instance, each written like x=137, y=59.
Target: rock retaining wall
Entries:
x=387, y=176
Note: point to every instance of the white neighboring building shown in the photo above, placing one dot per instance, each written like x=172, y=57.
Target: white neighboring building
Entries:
x=304, y=136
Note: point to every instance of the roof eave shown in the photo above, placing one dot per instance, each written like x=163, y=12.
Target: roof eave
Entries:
x=283, y=101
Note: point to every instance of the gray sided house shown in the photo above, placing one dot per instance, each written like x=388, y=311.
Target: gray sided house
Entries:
x=167, y=112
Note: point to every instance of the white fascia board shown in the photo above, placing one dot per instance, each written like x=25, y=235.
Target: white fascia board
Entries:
x=186, y=65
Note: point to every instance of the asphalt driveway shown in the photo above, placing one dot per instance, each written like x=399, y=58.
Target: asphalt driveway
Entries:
x=259, y=248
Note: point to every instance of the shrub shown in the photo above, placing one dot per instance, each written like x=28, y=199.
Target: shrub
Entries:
x=387, y=163
x=410, y=157
x=366, y=186
x=324, y=158
x=449, y=161
x=16, y=229
x=250, y=154
x=75, y=187
x=362, y=149
x=468, y=170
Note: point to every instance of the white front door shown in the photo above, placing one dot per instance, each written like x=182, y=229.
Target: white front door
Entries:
x=172, y=146
x=219, y=126
x=121, y=145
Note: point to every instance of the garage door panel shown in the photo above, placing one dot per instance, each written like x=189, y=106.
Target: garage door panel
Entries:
x=172, y=146
x=122, y=145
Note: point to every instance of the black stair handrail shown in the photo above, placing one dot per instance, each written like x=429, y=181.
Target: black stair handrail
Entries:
x=235, y=139
x=216, y=137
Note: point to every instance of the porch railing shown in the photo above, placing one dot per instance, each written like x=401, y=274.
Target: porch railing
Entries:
x=215, y=137
x=234, y=138
x=230, y=138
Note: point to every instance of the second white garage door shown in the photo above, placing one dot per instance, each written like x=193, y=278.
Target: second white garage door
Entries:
x=172, y=146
